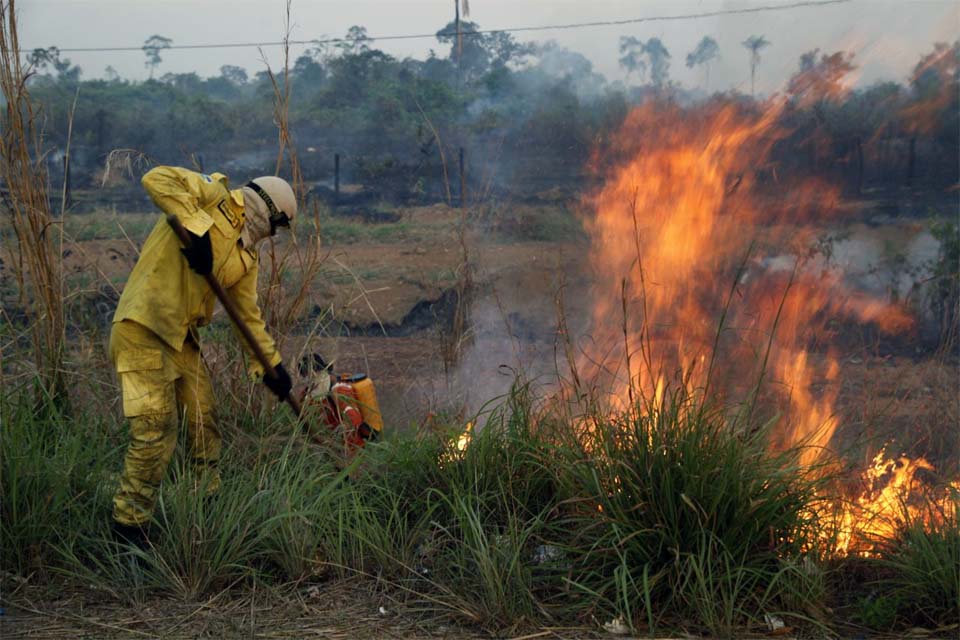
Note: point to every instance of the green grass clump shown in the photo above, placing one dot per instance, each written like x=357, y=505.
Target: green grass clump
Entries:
x=203, y=545
x=923, y=568
x=496, y=509
x=54, y=480
x=879, y=612
x=551, y=223
x=108, y=225
x=376, y=523
x=682, y=514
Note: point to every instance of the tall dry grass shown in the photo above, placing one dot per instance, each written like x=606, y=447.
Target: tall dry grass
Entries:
x=39, y=238
x=284, y=299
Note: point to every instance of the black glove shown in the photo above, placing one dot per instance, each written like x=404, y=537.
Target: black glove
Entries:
x=281, y=385
x=199, y=254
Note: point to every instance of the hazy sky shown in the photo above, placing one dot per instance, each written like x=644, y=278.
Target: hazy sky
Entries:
x=888, y=36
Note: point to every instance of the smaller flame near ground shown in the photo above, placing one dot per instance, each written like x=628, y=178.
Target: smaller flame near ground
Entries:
x=893, y=496
x=454, y=450
x=464, y=440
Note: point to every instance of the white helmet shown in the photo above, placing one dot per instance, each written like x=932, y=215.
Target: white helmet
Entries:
x=269, y=202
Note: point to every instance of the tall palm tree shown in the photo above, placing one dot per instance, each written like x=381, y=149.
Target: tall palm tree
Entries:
x=754, y=44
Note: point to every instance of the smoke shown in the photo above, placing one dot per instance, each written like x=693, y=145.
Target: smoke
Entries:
x=890, y=261
x=514, y=324
x=560, y=63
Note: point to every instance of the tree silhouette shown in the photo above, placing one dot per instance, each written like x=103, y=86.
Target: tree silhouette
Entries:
x=754, y=44
x=632, y=53
x=355, y=42
x=707, y=50
x=659, y=59
x=637, y=55
x=152, y=48
x=820, y=81
x=480, y=53
x=40, y=59
x=234, y=74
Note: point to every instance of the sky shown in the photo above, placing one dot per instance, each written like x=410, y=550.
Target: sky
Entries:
x=887, y=36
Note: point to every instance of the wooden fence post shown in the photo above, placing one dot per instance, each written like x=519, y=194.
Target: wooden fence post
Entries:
x=463, y=182
x=336, y=178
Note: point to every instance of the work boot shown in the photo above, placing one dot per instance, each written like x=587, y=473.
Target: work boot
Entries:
x=130, y=535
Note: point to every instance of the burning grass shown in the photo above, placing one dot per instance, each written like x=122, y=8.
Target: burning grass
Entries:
x=673, y=516
x=708, y=284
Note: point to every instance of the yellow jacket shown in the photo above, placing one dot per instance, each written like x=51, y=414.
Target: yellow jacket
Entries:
x=163, y=293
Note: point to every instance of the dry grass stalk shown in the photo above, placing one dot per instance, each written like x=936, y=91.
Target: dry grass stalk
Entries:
x=124, y=163
x=283, y=305
x=443, y=158
x=38, y=265
x=65, y=192
x=460, y=335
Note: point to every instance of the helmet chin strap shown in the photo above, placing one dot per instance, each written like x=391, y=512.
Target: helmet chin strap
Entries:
x=278, y=218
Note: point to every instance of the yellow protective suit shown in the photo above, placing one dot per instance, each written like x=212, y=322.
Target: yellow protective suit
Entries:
x=154, y=344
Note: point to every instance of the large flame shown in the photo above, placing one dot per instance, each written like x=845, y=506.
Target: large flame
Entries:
x=690, y=227
x=706, y=280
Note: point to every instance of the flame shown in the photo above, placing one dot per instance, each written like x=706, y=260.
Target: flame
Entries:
x=683, y=231
x=693, y=223
x=455, y=450
x=892, y=497
x=934, y=82
x=464, y=439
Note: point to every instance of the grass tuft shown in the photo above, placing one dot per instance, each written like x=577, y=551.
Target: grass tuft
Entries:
x=684, y=514
x=923, y=561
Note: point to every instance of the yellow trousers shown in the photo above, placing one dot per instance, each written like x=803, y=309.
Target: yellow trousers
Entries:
x=161, y=387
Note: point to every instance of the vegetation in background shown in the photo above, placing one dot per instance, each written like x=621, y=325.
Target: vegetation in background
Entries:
x=528, y=115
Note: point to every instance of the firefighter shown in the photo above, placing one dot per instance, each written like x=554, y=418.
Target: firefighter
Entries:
x=154, y=342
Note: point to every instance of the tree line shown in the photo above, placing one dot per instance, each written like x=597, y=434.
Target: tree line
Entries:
x=527, y=114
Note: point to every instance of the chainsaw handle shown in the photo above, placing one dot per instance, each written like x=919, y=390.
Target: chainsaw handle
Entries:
x=233, y=312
